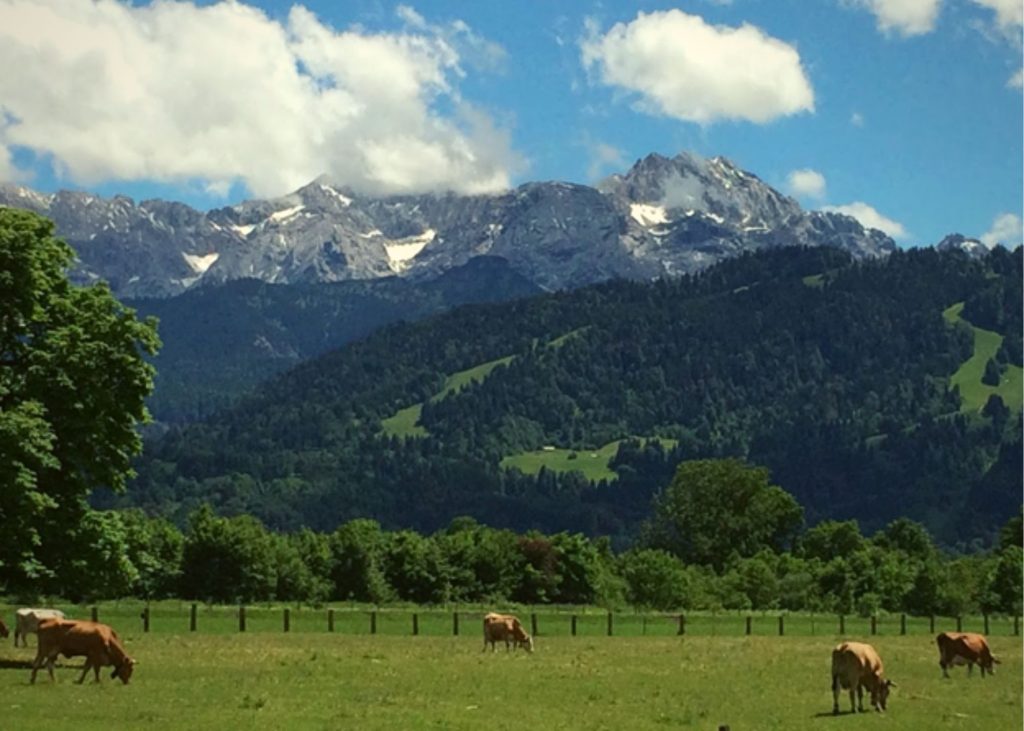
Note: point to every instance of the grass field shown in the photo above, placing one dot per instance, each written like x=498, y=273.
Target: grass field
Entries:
x=404, y=422
x=592, y=463
x=973, y=392
x=320, y=681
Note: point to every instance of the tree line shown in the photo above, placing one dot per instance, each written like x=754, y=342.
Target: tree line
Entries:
x=721, y=536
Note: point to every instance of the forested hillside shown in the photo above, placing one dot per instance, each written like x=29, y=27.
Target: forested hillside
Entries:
x=833, y=374
x=220, y=341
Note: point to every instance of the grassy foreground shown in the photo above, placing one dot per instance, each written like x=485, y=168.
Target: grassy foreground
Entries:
x=319, y=681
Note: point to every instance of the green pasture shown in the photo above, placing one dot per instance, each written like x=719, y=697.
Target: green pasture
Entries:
x=315, y=680
x=593, y=463
x=404, y=423
x=973, y=392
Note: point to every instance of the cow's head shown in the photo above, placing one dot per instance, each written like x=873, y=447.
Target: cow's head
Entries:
x=883, y=693
x=124, y=670
x=526, y=641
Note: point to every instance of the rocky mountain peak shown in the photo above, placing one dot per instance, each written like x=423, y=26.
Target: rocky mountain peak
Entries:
x=664, y=216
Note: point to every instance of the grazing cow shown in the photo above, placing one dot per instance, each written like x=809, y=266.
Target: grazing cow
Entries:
x=98, y=643
x=27, y=621
x=506, y=628
x=4, y=633
x=856, y=666
x=965, y=648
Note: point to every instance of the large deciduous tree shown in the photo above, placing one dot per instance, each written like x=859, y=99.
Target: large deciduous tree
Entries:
x=73, y=381
x=715, y=508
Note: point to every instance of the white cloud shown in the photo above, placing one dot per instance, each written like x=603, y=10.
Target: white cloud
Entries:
x=222, y=93
x=870, y=218
x=680, y=66
x=857, y=119
x=1009, y=13
x=1006, y=230
x=602, y=157
x=906, y=17
x=806, y=183
x=1017, y=80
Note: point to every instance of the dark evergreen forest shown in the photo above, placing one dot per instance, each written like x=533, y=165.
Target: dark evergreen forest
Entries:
x=831, y=373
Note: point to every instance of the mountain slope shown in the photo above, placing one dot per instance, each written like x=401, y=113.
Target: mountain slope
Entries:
x=841, y=388
x=664, y=216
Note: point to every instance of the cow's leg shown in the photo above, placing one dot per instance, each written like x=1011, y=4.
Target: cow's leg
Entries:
x=36, y=664
x=970, y=669
x=85, y=670
x=835, y=695
x=945, y=671
x=860, y=697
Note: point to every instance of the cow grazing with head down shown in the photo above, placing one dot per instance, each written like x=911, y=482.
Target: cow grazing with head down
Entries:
x=856, y=666
x=98, y=643
x=965, y=648
x=26, y=622
x=508, y=629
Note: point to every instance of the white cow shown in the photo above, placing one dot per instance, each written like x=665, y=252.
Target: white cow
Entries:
x=27, y=620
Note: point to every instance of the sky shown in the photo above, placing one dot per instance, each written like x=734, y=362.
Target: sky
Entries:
x=906, y=114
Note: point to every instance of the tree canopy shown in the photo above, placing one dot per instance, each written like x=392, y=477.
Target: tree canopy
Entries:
x=73, y=381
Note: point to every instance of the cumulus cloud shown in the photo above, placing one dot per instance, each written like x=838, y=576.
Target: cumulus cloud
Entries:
x=806, y=183
x=1006, y=230
x=679, y=66
x=222, y=93
x=1009, y=14
x=602, y=157
x=870, y=218
x=1017, y=80
x=905, y=17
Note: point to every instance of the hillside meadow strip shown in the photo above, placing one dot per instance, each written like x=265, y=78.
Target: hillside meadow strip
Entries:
x=320, y=681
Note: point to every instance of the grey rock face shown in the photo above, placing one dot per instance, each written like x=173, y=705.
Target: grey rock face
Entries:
x=666, y=216
x=973, y=247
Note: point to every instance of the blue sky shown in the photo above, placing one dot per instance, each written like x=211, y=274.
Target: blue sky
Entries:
x=905, y=113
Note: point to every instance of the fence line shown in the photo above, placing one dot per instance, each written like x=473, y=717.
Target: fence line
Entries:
x=581, y=622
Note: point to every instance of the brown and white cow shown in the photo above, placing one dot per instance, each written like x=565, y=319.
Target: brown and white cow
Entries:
x=965, y=648
x=856, y=666
x=98, y=643
x=26, y=621
x=508, y=629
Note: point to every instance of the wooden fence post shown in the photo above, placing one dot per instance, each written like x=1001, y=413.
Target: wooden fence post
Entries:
x=842, y=624
x=574, y=625
x=749, y=623
x=985, y=618
x=145, y=619
x=931, y=624
x=373, y=622
x=682, y=624
x=415, y=624
x=330, y=620
x=241, y=619
x=533, y=624
x=455, y=624
x=95, y=614
x=609, y=624
x=874, y=625
x=782, y=626
x=287, y=619
x=192, y=619
x=959, y=624
x=903, y=624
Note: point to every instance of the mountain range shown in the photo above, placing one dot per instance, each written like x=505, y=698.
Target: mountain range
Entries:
x=665, y=216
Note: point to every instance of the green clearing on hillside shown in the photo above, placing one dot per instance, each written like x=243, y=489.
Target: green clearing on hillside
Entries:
x=404, y=423
x=592, y=463
x=319, y=681
x=973, y=393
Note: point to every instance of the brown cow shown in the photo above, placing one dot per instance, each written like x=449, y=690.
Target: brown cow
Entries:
x=4, y=633
x=856, y=666
x=98, y=643
x=965, y=648
x=507, y=628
